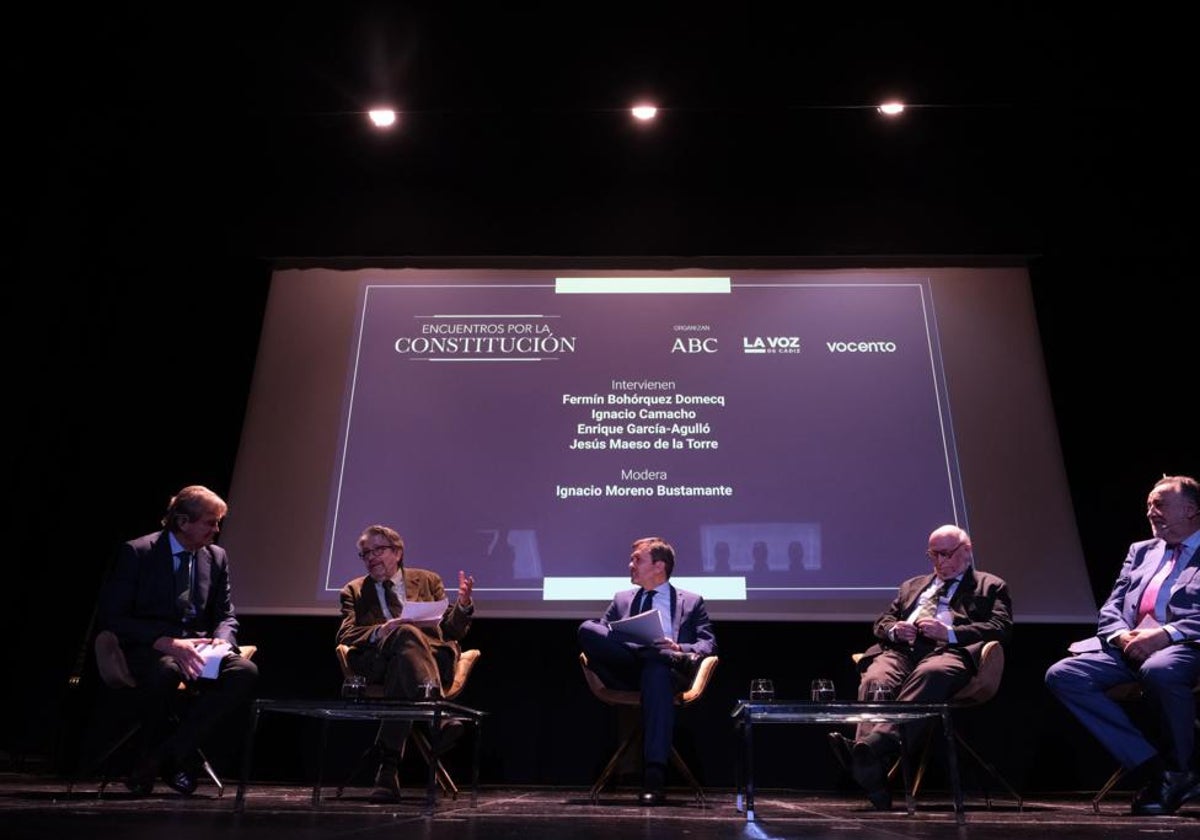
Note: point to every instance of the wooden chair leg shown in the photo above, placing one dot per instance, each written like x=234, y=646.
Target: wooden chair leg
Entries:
x=925, y=750
x=444, y=780
x=611, y=767
x=370, y=752
x=991, y=770
x=686, y=772
x=1109, y=785
x=212, y=774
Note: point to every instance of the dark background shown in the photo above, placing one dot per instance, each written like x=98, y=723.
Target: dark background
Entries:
x=160, y=163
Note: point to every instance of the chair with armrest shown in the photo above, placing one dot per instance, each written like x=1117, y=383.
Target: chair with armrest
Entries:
x=630, y=700
x=981, y=688
x=374, y=691
x=115, y=674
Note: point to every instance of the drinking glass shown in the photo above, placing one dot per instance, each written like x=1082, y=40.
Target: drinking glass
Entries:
x=354, y=688
x=822, y=691
x=762, y=691
x=878, y=692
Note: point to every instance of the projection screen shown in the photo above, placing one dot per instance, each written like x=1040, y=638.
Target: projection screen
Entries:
x=794, y=434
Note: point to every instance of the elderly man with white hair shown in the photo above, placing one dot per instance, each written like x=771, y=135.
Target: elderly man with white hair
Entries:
x=928, y=644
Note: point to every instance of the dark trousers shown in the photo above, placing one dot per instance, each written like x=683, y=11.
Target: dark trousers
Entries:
x=625, y=666
x=407, y=661
x=158, y=679
x=920, y=674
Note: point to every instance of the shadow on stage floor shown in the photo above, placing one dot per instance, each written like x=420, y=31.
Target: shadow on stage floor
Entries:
x=42, y=808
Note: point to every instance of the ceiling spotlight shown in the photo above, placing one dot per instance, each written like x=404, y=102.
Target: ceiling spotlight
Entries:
x=382, y=117
x=644, y=112
x=891, y=109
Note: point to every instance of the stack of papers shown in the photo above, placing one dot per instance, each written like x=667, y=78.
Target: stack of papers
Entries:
x=645, y=627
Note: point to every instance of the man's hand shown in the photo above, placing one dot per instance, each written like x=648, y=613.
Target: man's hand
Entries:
x=185, y=652
x=388, y=628
x=666, y=643
x=904, y=631
x=1137, y=645
x=465, y=584
x=931, y=628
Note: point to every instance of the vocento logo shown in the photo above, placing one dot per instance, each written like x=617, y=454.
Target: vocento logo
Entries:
x=771, y=344
x=861, y=346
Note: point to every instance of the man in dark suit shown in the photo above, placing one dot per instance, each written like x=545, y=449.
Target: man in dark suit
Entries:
x=412, y=661
x=660, y=669
x=928, y=646
x=1148, y=631
x=168, y=602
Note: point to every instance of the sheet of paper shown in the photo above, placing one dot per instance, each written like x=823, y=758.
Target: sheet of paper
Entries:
x=645, y=627
x=424, y=612
x=1088, y=645
x=213, y=654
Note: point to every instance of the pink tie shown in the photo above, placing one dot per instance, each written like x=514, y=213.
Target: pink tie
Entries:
x=1150, y=595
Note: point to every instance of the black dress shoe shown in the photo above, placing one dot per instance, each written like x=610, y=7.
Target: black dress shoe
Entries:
x=387, y=782
x=1163, y=796
x=841, y=745
x=141, y=778
x=139, y=786
x=650, y=798
x=181, y=781
x=653, y=780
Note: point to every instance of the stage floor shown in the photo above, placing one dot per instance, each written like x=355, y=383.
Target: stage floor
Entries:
x=42, y=808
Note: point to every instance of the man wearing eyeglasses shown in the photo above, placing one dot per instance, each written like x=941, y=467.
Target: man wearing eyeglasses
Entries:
x=413, y=661
x=928, y=646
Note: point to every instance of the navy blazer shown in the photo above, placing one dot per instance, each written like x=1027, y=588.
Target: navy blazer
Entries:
x=1119, y=612
x=139, y=602
x=689, y=619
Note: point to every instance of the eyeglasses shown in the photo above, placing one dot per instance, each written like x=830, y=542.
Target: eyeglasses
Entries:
x=935, y=554
x=372, y=553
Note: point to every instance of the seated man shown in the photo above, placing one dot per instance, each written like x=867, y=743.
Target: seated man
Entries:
x=929, y=643
x=658, y=670
x=413, y=662
x=1147, y=632
x=168, y=600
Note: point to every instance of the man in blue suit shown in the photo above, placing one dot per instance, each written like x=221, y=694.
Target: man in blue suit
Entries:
x=168, y=600
x=660, y=669
x=1148, y=632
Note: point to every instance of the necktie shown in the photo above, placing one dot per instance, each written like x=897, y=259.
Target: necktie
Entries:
x=929, y=607
x=1150, y=593
x=393, y=600
x=647, y=601
x=183, y=586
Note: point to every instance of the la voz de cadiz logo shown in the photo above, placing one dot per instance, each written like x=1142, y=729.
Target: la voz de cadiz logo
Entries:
x=771, y=344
